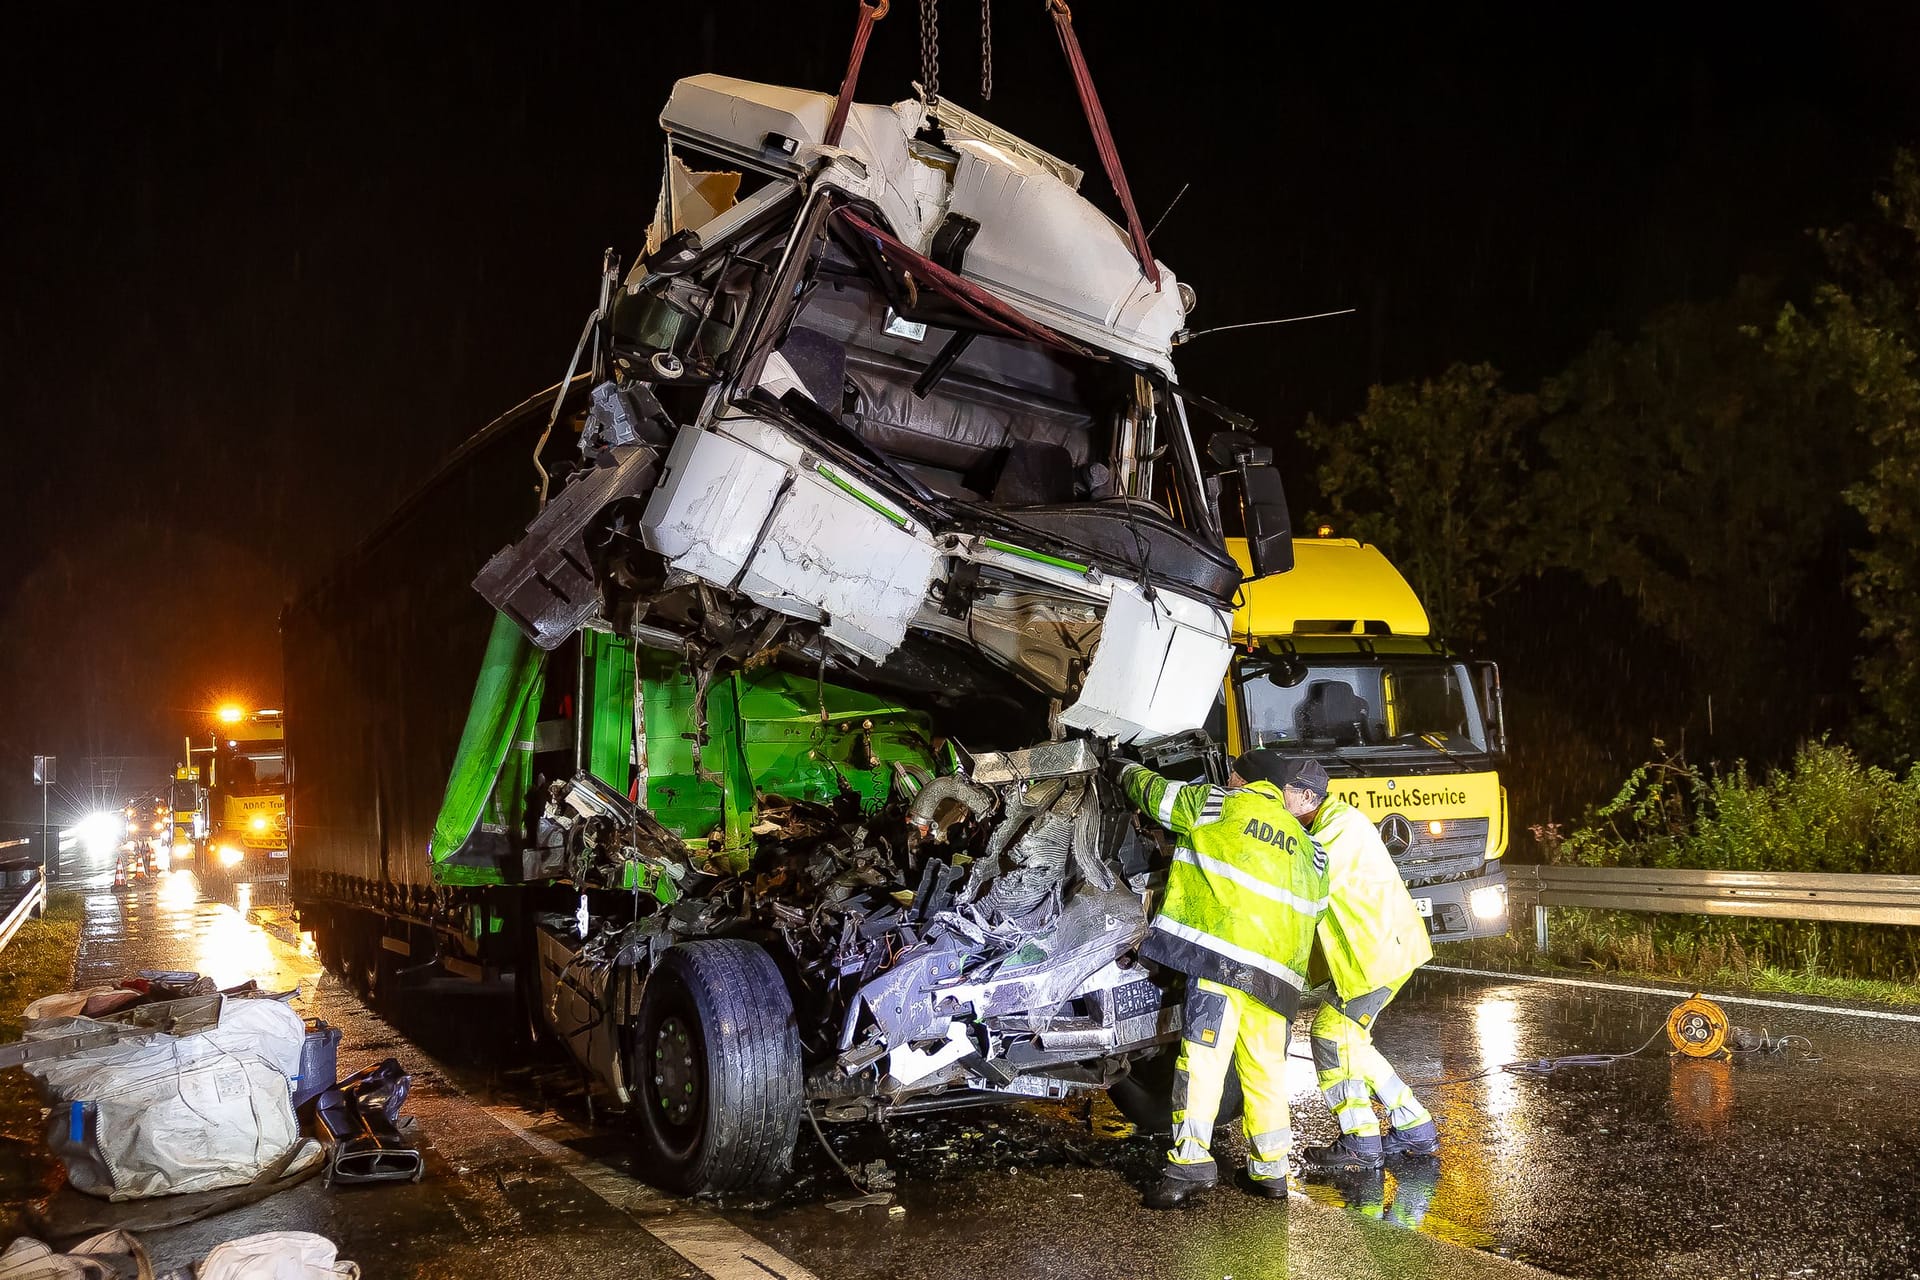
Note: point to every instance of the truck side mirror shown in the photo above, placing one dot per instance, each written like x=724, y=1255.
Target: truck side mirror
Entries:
x=1263, y=502
x=1492, y=708
x=1269, y=526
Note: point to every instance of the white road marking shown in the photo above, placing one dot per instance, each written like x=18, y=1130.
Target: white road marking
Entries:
x=710, y=1243
x=1794, y=1005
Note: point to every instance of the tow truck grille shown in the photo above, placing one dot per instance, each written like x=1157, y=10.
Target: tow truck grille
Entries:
x=1458, y=850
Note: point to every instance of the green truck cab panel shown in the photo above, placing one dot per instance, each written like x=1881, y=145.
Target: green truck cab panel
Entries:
x=768, y=733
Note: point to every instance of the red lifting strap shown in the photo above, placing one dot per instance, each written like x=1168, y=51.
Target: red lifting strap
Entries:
x=970, y=297
x=1102, y=138
x=871, y=11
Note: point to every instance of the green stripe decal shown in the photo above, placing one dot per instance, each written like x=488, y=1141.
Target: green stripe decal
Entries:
x=868, y=499
x=993, y=544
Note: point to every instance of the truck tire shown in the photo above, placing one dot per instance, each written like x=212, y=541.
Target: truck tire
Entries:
x=1145, y=1094
x=716, y=1057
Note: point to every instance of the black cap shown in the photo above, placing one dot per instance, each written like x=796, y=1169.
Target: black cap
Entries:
x=1267, y=765
x=1262, y=764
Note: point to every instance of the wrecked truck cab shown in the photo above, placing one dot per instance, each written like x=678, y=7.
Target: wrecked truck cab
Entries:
x=874, y=521
x=885, y=444
x=900, y=423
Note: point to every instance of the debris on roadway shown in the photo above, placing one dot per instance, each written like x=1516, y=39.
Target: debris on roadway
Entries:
x=369, y=1140
x=164, y=1086
x=194, y=1097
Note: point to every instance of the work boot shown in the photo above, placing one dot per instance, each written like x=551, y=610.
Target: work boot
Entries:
x=1352, y=1151
x=1267, y=1188
x=1419, y=1140
x=1173, y=1192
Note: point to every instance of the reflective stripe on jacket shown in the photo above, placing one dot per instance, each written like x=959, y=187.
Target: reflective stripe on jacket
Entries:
x=1371, y=936
x=1244, y=890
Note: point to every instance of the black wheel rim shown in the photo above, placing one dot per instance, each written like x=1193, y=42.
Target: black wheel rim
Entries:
x=676, y=1071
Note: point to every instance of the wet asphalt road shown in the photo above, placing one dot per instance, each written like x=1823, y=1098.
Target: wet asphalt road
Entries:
x=1773, y=1166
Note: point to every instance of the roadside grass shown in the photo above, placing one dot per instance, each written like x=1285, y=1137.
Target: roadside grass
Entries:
x=1827, y=812
x=38, y=962
x=1641, y=948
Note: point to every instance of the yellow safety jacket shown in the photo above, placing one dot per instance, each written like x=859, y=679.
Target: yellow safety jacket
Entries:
x=1244, y=890
x=1370, y=936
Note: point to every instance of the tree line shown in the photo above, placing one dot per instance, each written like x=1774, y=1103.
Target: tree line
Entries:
x=1740, y=478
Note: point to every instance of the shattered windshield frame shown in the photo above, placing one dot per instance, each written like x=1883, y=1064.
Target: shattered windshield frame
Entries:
x=1054, y=444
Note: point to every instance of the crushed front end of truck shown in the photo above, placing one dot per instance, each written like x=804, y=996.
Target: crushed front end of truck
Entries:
x=874, y=521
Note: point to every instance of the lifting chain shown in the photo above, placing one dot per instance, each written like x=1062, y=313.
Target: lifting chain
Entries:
x=986, y=50
x=930, y=50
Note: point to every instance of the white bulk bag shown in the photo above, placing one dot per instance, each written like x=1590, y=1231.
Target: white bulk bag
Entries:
x=162, y=1115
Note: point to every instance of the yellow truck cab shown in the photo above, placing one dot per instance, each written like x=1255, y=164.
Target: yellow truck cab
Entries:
x=1336, y=660
x=189, y=801
x=247, y=789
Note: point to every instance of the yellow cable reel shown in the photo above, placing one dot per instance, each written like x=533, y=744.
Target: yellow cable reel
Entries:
x=1697, y=1028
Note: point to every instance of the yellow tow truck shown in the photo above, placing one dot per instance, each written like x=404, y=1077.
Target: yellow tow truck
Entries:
x=1337, y=661
x=189, y=803
x=247, y=789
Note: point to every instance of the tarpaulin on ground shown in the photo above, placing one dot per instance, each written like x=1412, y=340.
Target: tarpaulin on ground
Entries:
x=162, y=1114
x=118, y=1255
x=509, y=680
x=276, y=1255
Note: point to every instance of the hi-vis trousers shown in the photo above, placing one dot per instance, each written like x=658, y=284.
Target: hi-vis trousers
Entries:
x=1228, y=1027
x=1352, y=1072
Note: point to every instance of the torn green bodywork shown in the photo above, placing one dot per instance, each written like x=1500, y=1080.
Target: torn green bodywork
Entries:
x=706, y=762
x=610, y=676
x=768, y=732
x=506, y=699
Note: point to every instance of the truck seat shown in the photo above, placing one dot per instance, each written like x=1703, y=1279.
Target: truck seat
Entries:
x=963, y=424
x=1332, y=711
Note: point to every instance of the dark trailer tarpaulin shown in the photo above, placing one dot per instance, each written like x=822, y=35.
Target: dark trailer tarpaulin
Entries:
x=381, y=658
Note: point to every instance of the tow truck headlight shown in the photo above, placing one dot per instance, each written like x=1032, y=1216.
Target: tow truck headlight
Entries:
x=1489, y=903
x=259, y=823
x=230, y=854
x=1436, y=828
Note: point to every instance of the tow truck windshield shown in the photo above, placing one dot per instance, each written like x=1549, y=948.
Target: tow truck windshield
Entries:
x=257, y=768
x=1409, y=706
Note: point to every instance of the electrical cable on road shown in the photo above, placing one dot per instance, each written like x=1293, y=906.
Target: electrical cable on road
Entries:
x=833, y=1156
x=1696, y=1028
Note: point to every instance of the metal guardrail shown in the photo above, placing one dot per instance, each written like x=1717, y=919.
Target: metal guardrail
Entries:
x=29, y=906
x=1779, y=895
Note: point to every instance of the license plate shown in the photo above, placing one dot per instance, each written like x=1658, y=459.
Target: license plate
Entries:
x=1424, y=907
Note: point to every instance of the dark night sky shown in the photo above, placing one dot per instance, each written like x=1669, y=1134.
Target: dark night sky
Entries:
x=264, y=263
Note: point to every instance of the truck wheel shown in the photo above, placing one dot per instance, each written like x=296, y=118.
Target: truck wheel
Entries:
x=716, y=1056
x=360, y=959
x=1145, y=1094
